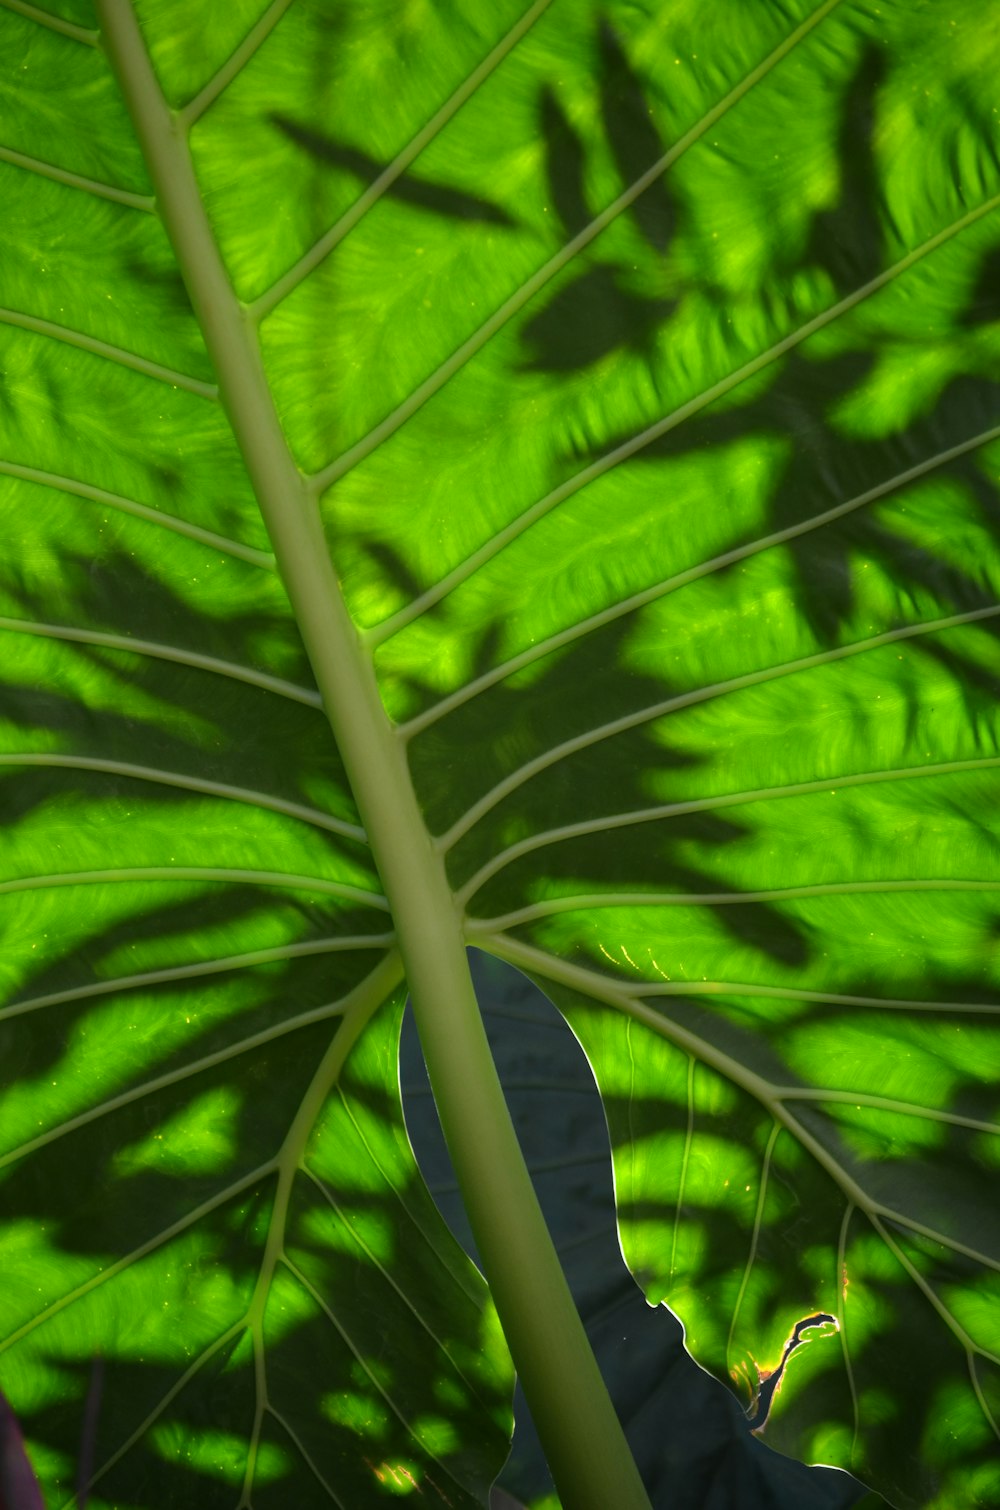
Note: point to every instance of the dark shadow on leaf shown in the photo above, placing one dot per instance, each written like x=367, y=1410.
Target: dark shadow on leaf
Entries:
x=847, y=239
x=589, y=318
x=565, y=165
x=633, y=138
x=438, y=199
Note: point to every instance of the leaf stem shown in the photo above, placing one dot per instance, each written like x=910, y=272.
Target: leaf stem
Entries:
x=582, y=1437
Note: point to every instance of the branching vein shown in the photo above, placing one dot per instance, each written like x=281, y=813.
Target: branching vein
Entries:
x=77, y=181
x=172, y=653
x=708, y=804
x=504, y=537
x=532, y=768
x=290, y=280
x=638, y=600
x=534, y=284
x=116, y=354
x=310, y=815
x=195, y=532
x=45, y=18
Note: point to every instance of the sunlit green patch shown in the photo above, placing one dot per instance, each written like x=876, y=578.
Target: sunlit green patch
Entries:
x=872, y=1260
x=398, y=1477
x=830, y=1443
x=356, y=1150
x=721, y=1173
x=436, y=1434
x=219, y=1454
x=113, y=1044
x=371, y=1374
x=449, y=1394
x=352, y=1230
x=281, y=922
x=198, y=1140
x=288, y=1305
x=976, y=1308
x=953, y=1427
x=367, y=1415
x=875, y=1135
x=38, y=1271
x=167, y=1307
x=488, y=1361
x=48, y=1462
x=661, y=1256
x=976, y=1485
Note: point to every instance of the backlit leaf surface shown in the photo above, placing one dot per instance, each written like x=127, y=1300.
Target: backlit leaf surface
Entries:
x=641, y=361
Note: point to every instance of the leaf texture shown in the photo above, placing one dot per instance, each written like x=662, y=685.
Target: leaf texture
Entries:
x=641, y=367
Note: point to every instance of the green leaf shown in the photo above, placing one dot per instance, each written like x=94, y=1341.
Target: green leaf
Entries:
x=519, y=476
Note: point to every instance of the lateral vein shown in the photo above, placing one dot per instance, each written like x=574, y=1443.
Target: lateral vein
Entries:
x=391, y=626
x=171, y=653
x=77, y=180
x=478, y=927
x=289, y=281
x=142, y=511
x=117, y=354
x=669, y=810
x=88, y=37
x=184, y=782
x=532, y=768
x=426, y=390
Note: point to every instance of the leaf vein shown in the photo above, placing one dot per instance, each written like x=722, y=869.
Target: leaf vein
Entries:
x=510, y=307
x=117, y=354
x=185, y=782
x=77, y=181
x=532, y=768
x=142, y=511
x=171, y=653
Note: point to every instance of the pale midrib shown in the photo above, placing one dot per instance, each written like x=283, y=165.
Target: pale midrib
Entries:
x=579, y=979
x=234, y=64
x=117, y=355
x=125, y=197
x=264, y=800
x=171, y=653
x=692, y=406
x=426, y=390
x=53, y=23
x=141, y=979
x=285, y=285
x=831, y=784
x=616, y=726
x=479, y=928
x=142, y=511
x=209, y=874
x=638, y=600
